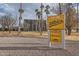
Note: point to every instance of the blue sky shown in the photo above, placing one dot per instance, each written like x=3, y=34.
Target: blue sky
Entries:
x=13, y=9
x=29, y=9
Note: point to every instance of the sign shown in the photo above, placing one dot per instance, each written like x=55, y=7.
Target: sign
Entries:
x=56, y=22
x=56, y=36
x=56, y=31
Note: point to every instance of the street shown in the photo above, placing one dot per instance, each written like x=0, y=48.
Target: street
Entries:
x=25, y=46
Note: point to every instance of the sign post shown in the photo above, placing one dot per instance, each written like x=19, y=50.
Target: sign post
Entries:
x=56, y=31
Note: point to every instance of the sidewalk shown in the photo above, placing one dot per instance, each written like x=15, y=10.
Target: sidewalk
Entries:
x=22, y=46
x=32, y=45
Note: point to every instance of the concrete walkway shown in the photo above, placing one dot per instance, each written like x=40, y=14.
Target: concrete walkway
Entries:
x=20, y=46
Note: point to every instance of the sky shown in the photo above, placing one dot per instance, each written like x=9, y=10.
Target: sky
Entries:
x=29, y=9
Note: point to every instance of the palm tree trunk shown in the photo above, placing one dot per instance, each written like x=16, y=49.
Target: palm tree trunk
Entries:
x=9, y=29
x=41, y=21
x=40, y=27
x=36, y=25
x=47, y=23
x=77, y=17
x=59, y=8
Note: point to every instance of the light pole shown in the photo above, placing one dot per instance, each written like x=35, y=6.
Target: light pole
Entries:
x=20, y=17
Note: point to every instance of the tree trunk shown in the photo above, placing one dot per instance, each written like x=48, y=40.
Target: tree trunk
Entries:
x=69, y=31
x=59, y=8
x=9, y=29
x=36, y=25
x=77, y=17
x=40, y=27
x=47, y=23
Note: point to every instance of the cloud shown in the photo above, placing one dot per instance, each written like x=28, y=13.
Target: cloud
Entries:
x=6, y=9
x=29, y=9
x=2, y=14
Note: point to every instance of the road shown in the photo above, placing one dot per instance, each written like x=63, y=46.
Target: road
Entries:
x=24, y=46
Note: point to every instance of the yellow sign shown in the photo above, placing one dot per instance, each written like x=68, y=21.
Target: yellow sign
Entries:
x=55, y=36
x=56, y=22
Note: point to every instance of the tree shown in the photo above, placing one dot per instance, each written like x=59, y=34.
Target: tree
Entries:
x=38, y=14
x=70, y=15
x=41, y=20
x=77, y=17
x=70, y=18
x=36, y=18
x=47, y=12
x=7, y=22
x=58, y=9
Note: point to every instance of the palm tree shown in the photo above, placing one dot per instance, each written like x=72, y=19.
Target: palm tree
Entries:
x=59, y=8
x=77, y=17
x=41, y=20
x=36, y=18
x=47, y=12
x=36, y=11
x=38, y=14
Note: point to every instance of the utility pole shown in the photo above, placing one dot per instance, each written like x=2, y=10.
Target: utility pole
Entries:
x=20, y=17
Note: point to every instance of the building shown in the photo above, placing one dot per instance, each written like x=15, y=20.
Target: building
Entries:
x=33, y=25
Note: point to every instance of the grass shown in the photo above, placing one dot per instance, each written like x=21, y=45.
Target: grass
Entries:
x=22, y=34
x=74, y=35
